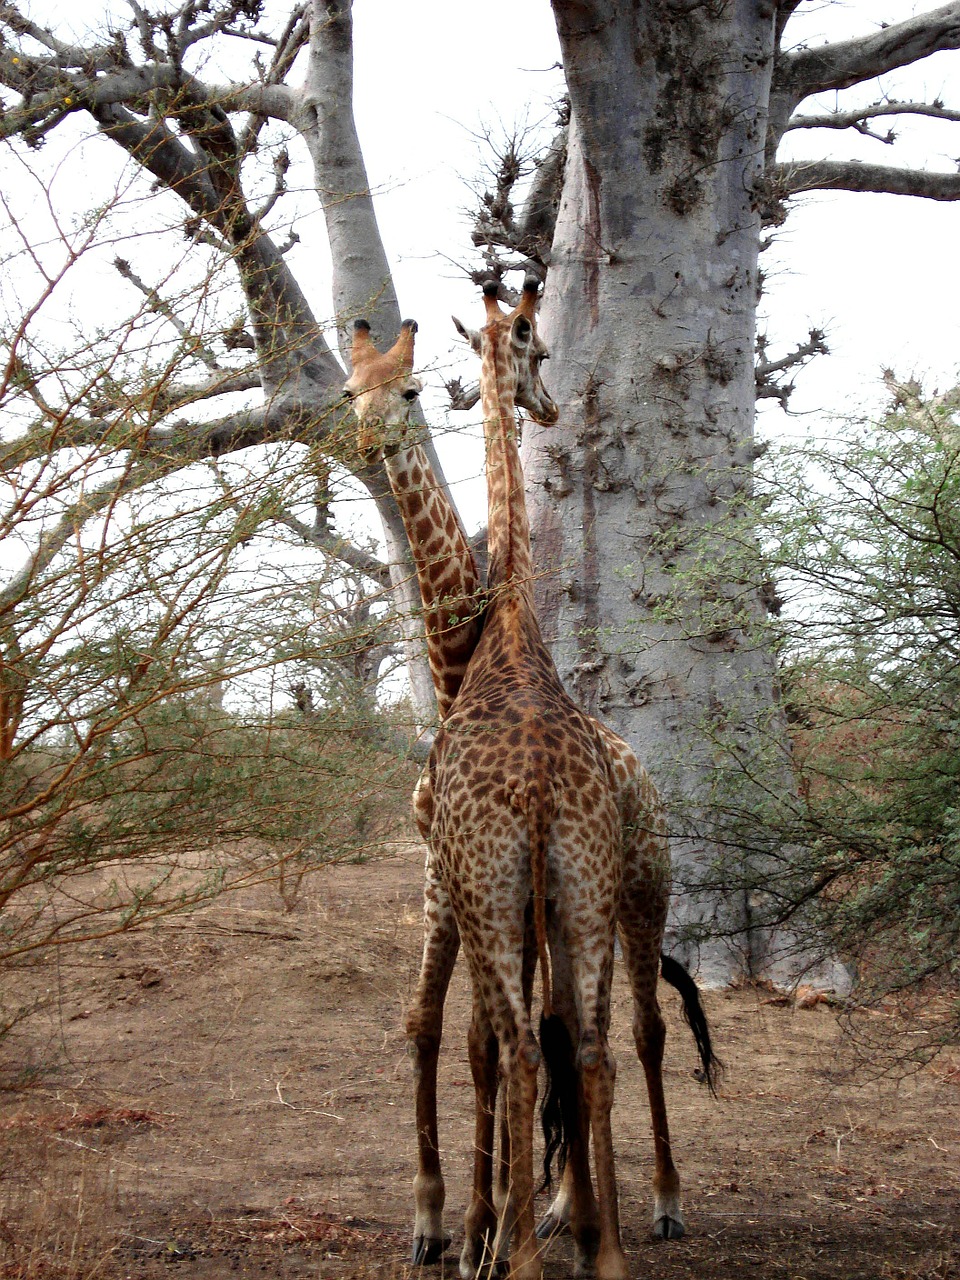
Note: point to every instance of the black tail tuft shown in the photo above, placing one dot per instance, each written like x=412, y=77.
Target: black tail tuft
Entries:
x=674, y=973
x=560, y=1112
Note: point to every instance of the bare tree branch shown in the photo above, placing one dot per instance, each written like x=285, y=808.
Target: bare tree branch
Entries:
x=766, y=370
x=337, y=548
x=802, y=72
x=320, y=535
x=358, y=256
x=462, y=397
x=51, y=91
x=282, y=418
x=133, y=477
x=292, y=39
x=848, y=62
x=857, y=117
x=511, y=242
x=224, y=382
x=851, y=175
x=161, y=307
x=290, y=342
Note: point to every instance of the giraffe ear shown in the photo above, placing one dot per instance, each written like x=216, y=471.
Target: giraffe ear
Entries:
x=521, y=332
x=471, y=335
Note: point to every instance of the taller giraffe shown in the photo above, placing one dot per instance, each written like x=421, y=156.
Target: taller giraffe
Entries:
x=646, y=873
x=526, y=837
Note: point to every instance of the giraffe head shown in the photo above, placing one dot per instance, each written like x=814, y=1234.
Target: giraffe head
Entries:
x=382, y=388
x=510, y=339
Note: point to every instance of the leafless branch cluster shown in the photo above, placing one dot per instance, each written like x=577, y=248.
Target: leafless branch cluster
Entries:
x=200, y=142
x=519, y=241
x=156, y=468
x=769, y=386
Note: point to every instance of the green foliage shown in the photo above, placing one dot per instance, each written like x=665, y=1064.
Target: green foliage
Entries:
x=179, y=801
x=862, y=856
x=188, y=698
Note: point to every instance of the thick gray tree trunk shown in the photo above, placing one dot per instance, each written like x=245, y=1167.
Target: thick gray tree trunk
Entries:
x=362, y=282
x=649, y=315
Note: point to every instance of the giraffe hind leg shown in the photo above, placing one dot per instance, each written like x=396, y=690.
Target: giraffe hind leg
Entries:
x=574, y=1208
x=667, y=1213
x=598, y=1072
x=641, y=949
x=520, y=1065
x=480, y=1221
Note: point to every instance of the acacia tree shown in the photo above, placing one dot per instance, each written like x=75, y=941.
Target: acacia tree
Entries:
x=645, y=217
x=881, y=757
x=862, y=528
x=136, y=596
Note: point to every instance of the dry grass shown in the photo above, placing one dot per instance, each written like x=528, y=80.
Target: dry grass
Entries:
x=55, y=1223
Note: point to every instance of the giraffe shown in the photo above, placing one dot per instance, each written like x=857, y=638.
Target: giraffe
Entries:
x=645, y=865
x=526, y=837
x=382, y=387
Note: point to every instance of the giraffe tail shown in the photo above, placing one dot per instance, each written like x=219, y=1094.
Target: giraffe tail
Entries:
x=711, y=1068
x=540, y=806
x=560, y=1111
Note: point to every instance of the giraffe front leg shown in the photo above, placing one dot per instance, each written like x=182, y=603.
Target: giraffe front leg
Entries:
x=441, y=943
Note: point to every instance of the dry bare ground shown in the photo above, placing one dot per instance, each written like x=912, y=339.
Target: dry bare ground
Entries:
x=228, y=1093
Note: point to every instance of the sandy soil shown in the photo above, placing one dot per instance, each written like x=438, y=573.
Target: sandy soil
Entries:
x=229, y=1094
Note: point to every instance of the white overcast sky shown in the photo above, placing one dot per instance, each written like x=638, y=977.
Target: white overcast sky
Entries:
x=880, y=273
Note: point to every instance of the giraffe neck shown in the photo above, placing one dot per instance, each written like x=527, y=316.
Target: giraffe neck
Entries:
x=447, y=573
x=508, y=526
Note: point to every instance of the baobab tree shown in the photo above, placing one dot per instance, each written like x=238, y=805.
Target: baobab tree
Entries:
x=645, y=217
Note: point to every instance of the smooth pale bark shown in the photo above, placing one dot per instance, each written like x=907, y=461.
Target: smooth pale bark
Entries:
x=300, y=378
x=362, y=280
x=649, y=316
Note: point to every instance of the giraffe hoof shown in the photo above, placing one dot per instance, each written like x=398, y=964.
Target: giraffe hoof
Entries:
x=667, y=1228
x=428, y=1250
x=550, y=1225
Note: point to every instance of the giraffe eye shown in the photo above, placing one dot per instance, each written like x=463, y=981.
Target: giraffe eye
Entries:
x=410, y=394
